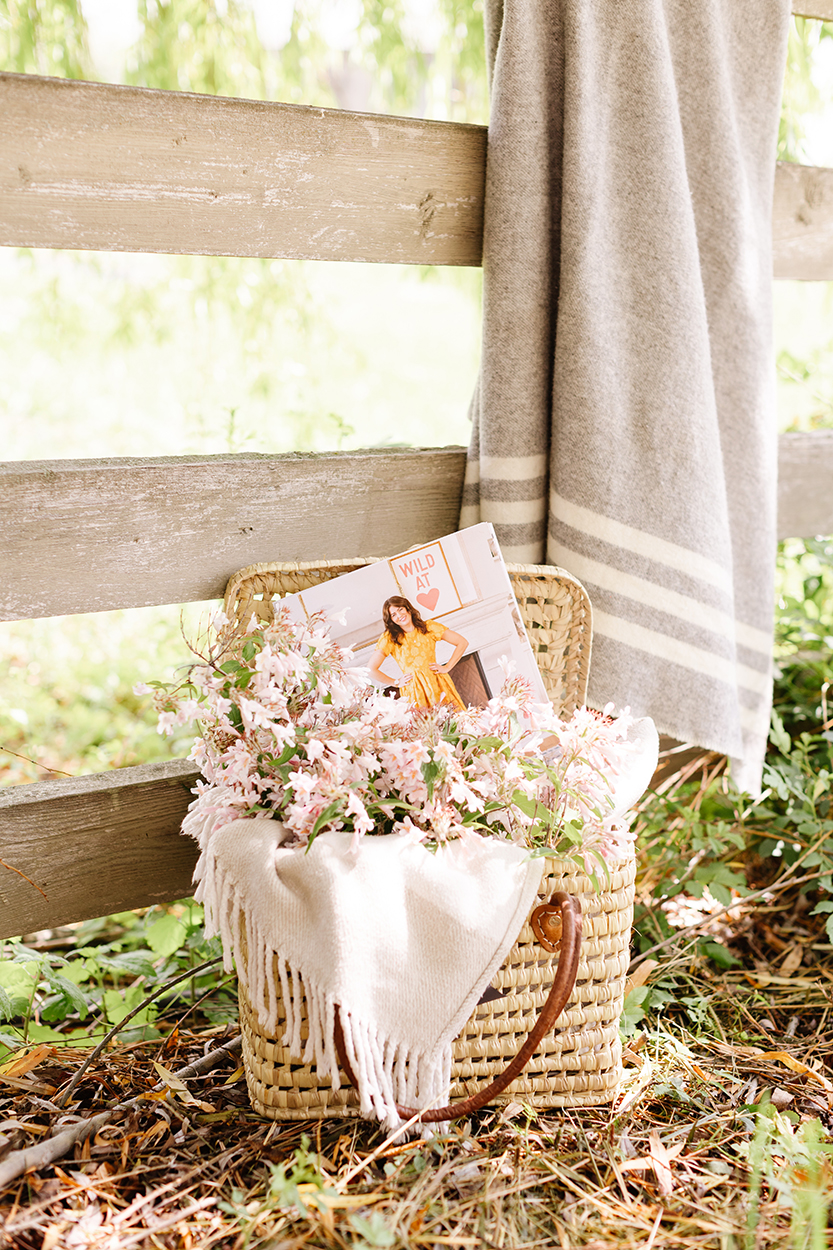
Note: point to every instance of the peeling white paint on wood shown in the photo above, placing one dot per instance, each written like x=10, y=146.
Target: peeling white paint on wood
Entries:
x=92, y=165
x=802, y=223
x=814, y=8
x=91, y=536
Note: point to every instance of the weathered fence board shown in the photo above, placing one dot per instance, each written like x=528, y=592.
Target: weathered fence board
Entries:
x=91, y=165
x=88, y=536
x=802, y=223
x=814, y=8
x=94, y=845
x=805, y=484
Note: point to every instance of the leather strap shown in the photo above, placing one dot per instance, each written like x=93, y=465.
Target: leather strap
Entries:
x=569, y=908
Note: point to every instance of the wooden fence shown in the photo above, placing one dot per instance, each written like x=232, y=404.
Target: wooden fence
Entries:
x=86, y=165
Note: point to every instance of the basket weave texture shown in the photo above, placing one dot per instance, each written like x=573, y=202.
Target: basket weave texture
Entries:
x=579, y=1063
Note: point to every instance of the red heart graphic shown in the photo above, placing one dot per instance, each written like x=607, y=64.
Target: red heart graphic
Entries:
x=429, y=600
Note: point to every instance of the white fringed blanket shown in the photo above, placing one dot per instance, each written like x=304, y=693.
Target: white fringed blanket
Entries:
x=404, y=941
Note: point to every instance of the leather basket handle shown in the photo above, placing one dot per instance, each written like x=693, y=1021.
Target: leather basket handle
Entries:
x=569, y=909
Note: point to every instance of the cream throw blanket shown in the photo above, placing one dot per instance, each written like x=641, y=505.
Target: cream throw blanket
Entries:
x=405, y=942
x=624, y=420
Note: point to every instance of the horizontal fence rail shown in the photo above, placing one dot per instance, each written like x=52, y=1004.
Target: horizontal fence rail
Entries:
x=116, y=168
x=805, y=484
x=92, y=536
x=91, y=165
x=822, y=9
x=93, y=845
x=802, y=222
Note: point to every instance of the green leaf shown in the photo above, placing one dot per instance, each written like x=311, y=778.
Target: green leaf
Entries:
x=430, y=772
x=719, y=954
x=117, y=1006
x=633, y=1011
x=19, y=978
x=328, y=814
x=779, y=736
x=374, y=1230
x=488, y=744
x=69, y=992
x=166, y=935
x=11, y=1005
x=528, y=806
x=128, y=963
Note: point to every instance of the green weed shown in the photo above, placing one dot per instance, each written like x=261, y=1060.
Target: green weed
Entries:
x=105, y=969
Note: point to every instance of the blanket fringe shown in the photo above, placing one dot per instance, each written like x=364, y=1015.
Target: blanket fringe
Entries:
x=387, y=1072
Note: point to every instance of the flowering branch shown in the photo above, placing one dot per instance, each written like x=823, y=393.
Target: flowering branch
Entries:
x=289, y=730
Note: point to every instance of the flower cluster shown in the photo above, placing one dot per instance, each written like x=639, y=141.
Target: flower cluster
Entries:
x=290, y=730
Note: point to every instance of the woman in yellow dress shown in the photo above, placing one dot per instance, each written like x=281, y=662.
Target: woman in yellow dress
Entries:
x=412, y=642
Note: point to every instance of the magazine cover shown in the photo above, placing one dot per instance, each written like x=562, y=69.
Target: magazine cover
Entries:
x=455, y=595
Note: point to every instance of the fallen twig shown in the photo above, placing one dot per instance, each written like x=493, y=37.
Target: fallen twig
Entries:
x=776, y=888
x=52, y=1148
x=60, y=1100
x=169, y=1221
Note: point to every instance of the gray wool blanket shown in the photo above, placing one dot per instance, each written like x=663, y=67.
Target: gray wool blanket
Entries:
x=624, y=422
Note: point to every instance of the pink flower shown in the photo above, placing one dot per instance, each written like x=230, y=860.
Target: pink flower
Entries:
x=370, y=762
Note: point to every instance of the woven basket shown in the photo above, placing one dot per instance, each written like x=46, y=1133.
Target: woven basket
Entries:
x=578, y=1064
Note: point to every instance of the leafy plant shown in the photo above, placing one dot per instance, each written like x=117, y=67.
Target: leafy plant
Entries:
x=76, y=993
x=794, y=1165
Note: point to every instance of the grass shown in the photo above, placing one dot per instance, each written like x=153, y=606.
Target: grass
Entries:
x=691, y=1154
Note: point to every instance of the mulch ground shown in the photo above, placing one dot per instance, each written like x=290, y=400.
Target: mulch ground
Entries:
x=679, y=1160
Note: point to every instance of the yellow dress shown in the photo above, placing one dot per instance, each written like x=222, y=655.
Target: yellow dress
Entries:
x=415, y=654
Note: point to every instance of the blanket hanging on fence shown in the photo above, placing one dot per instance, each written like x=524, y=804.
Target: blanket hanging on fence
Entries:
x=405, y=942
x=624, y=422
